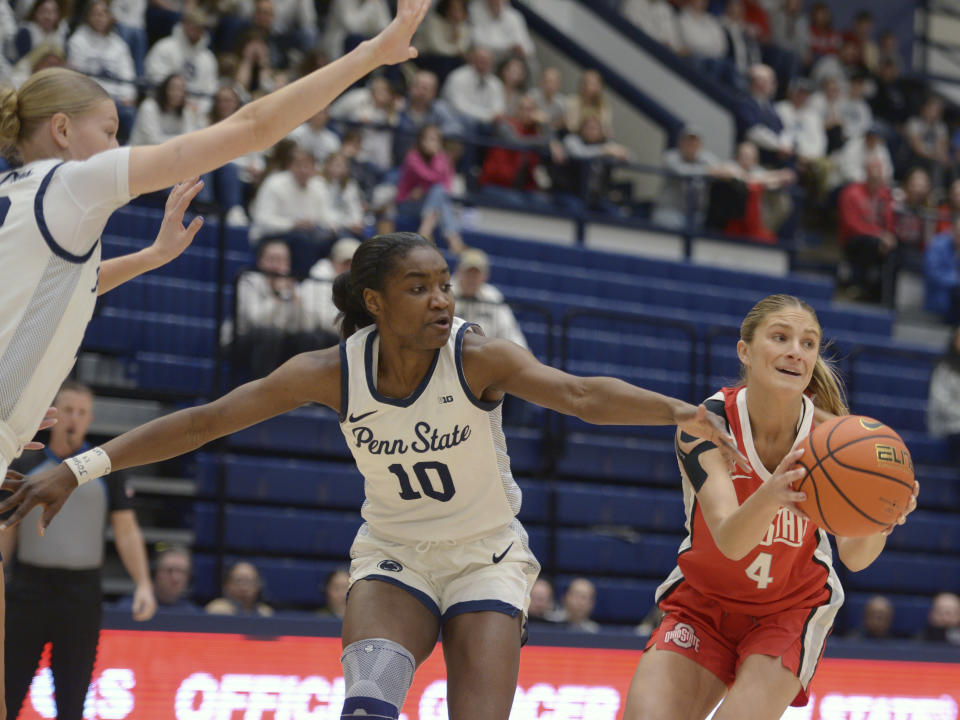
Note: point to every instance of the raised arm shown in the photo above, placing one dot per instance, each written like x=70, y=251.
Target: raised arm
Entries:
x=310, y=377
x=494, y=367
x=264, y=122
x=172, y=240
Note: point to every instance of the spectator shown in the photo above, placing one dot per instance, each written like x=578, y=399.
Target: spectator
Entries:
x=701, y=34
x=889, y=50
x=877, y=620
x=742, y=38
x=861, y=35
x=824, y=39
x=542, y=603
x=766, y=205
x=513, y=75
x=130, y=17
x=943, y=620
x=828, y=105
x=171, y=582
x=342, y=205
x=914, y=216
x=843, y=65
x=757, y=19
x=316, y=137
x=424, y=187
x=317, y=292
x=185, y=52
x=578, y=603
x=446, y=32
x=656, y=18
x=928, y=141
x=650, y=621
x=423, y=108
x=94, y=49
x=848, y=164
x=866, y=233
x=590, y=101
x=164, y=115
x=55, y=593
x=949, y=211
x=758, y=119
x=292, y=204
x=802, y=129
x=551, y=102
x=289, y=24
x=682, y=200
x=44, y=26
x=856, y=115
x=271, y=323
x=43, y=56
x=593, y=155
x=790, y=30
x=890, y=102
x=375, y=105
x=942, y=279
x=500, y=29
x=335, y=588
x=474, y=92
x=256, y=72
x=351, y=21
x=480, y=302
x=943, y=406
x=242, y=587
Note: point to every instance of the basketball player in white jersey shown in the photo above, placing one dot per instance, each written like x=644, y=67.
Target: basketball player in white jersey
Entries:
x=418, y=392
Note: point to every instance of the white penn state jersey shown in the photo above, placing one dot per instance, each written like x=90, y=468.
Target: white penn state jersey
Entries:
x=435, y=464
x=48, y=291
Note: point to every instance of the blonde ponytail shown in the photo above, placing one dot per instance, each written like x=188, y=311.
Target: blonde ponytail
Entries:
x=9, y=118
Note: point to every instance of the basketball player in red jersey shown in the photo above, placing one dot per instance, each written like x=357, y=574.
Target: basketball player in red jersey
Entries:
x=754, y=594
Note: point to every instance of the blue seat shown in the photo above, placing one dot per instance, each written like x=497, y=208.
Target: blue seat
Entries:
x=934, y=532
x=915, y=573
x=174, y=373
x=289, y=531
x=651, y=556
x=616, y=458
x=644, y=509
x=909, y=612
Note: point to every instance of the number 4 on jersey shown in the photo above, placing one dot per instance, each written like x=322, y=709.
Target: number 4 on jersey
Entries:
x=759, y=570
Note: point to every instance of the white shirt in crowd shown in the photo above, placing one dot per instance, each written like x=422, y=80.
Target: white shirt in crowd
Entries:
x=476, y=97
x=342, y=206
x=287, y=14
x=943, y=410
x=132, y=13
x=490, y=311
x=701, y=34
x=98, y=55
x=319, y=143
x=500, y=34
x=354, y=17
x=198, y=65
x=377, y=145
x=656, y=18
x=847, y=165
x=153, y=126
x=281, y=202
x=802, y=130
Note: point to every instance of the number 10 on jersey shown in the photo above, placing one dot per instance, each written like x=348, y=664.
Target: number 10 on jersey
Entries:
x=425, y=472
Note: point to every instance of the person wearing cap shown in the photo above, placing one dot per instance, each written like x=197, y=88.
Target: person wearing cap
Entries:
x=480, y=302
x=186, y=51
x=682, y=199
x=317, y=295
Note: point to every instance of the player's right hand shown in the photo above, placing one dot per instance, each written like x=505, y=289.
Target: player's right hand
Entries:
x=779, y=488
x=49, y=488
x=392, y=46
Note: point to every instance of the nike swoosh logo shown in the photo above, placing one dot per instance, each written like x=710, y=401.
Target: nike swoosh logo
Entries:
x=498, y=558
x=358, y=418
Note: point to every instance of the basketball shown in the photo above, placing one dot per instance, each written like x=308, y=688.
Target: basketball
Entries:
x=859, y=476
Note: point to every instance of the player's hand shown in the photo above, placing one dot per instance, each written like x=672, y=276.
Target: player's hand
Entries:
x=49, y=420
x=911, y=506
x=702, y=423
x=144, y=603
x=49, y=488
x=392, y=46
x=779, y=488
x=173, y=237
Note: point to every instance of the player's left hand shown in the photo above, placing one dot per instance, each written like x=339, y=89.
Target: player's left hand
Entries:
x=49, y=488
x=49, y=420
x=704, y=424
x=173, y=237
x=911, y=506
x=144, y=603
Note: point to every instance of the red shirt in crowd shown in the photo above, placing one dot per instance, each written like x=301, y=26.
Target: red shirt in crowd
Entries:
x=862, y=212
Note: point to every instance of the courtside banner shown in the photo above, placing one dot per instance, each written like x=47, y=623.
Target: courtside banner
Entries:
x=162, y=675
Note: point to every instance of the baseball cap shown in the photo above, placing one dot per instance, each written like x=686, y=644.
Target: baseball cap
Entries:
x=474, y=258
x=343, y=249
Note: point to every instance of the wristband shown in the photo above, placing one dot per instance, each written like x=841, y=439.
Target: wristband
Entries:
x=90, y=465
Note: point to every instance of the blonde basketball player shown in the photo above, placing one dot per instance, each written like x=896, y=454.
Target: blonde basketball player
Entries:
x=418, y=392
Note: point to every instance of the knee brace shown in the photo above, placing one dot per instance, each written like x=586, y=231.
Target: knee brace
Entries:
x=377, y=674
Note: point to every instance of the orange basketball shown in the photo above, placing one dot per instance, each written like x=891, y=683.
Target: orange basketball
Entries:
x=859, y=476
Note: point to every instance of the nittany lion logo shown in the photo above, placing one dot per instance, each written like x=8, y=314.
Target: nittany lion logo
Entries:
x=684, y=636
x=869, y=424
x=390, y=566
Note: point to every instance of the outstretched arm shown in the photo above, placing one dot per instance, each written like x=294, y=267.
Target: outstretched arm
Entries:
x=494, y=367
x=310, y=377
x=172, y=240
x=266, y=121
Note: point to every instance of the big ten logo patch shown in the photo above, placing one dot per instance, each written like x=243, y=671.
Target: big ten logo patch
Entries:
x=895, y=456
x=684, y=636
x=445, y=399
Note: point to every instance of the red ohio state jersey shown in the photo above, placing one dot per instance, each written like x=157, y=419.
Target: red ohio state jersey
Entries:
x=791, y=567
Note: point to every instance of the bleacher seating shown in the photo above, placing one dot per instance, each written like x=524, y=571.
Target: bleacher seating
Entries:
x=599, y=501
